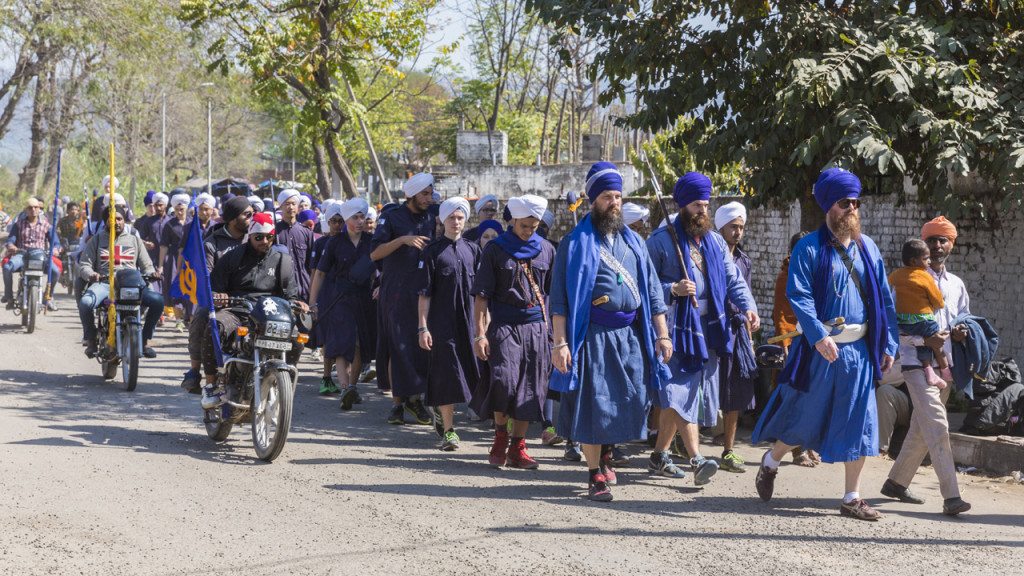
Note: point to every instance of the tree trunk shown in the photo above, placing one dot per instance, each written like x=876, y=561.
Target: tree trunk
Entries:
x=323, y=170
x=558, y=130
x=40, y=111
x=547, y=113
x=348, y=182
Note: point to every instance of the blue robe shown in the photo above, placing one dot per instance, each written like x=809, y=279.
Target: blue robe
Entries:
x=694, y=396
x=446, y=275
x=610, y=403
x=836, y=416
x=397, y=341
x=297, y=240
x=344, y=308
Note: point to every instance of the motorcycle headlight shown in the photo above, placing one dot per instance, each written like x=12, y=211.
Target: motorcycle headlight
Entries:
x=277, y=329
x=34, y=265
x=128, y=294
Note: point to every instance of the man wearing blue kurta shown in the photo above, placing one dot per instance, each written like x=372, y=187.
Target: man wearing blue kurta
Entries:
x=698, y=323
x=609, y=331
x=825, y=400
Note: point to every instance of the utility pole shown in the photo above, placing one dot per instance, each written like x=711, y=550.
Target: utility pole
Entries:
x=209, y=147
x=163, y=142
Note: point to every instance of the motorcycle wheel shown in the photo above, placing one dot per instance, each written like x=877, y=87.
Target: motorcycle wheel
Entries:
x=29, y=318
x=130, y=365
x=270, y=429
x=220, y=430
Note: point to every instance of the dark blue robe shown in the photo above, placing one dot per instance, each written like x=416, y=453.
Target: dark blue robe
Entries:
x=298, y=240
x=397, y=341
x=520, y=353
x=446, y=275
x=343, y=306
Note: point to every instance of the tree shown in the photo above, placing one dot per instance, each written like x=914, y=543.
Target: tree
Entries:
x=304, y=52
x=924, y=89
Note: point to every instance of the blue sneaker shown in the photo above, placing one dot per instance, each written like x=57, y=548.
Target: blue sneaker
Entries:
x=661, y=464
x=191, y=382
x=703, y=470
x=573, y=452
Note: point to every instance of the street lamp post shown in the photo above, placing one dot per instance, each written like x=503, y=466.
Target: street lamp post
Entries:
x=209, y=139
x=163, y=142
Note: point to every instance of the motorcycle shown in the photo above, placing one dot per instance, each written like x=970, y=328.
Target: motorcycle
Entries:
x=127, y=349
x=31, y=284
x=67, y=275
x=257, y=379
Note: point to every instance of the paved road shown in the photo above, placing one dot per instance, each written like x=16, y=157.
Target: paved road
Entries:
x=95, y=480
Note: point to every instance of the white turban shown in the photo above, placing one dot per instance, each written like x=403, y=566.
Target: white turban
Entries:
x=371, y=214
x=304, y=201
x=118, y=200
x=729, y=212
x=548, y=219
x=160, y=198
x=632, y=213
x=451, y=205
x=352, y=207
x=286, y=195
x=106, y=180
x=671, y=218
x=417, y=184
x=254, y=199
x=333, y=209
x=207, y=199
x=527, y=205
x=180, y=199
x=484, y=201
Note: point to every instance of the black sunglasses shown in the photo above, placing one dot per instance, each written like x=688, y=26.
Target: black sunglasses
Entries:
x=847, y=203
x=262, y=237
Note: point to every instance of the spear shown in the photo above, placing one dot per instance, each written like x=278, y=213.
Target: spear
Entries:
x=656, y=185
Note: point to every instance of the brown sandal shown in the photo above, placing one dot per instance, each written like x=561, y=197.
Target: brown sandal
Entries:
x=803, y=458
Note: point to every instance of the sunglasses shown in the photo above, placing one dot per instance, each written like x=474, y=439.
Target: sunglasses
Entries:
x=262, y=237
x=847, y=203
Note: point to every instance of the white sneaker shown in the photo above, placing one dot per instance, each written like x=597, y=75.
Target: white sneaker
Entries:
x=213, y=396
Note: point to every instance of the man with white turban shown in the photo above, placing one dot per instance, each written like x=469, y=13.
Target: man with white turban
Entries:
x=486, y=208
x=401, y=235
x=371, y=220
x=512, y=284
x=737, y=373
x=635, y=216
x=446, y=271
x=206, y=204
x=340, y=297
x=295, y=238
x=172, y=241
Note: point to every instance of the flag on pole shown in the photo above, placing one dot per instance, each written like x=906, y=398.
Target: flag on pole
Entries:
x=193, y=279
x=54, y=236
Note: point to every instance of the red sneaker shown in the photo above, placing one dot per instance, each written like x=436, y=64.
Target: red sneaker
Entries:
x=499, y=448
x=518, y=458
x=598, y=490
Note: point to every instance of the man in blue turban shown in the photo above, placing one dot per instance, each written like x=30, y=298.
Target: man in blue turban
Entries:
x=698, y=323
x=825, y=400
x=609, y=331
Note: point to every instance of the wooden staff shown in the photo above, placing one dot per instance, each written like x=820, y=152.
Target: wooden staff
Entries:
x=837, y=322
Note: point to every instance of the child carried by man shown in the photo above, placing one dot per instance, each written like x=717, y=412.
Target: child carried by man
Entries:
x=917, y=299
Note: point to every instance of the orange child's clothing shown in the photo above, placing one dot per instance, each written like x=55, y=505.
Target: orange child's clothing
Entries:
x=783, y=315
x=915, y=291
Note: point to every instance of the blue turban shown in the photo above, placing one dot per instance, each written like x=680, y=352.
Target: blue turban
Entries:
x=835, y=184
x=268, y=205
x=305, y=216
x=149, y=197
x=603, y=176
x=691, y=187
x=489, y=225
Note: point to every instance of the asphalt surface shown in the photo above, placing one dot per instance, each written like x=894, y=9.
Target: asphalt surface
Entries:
x=96, y=480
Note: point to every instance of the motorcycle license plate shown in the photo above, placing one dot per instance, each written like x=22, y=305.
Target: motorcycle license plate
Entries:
x=273, y=344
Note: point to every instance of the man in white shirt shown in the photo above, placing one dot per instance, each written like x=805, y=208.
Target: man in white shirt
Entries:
x=929, y=428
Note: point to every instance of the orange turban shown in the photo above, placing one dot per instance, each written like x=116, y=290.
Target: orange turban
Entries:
x=939, y=226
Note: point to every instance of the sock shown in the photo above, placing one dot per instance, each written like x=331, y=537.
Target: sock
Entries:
x=770, y=462
x=546, y=424
x=850, y=497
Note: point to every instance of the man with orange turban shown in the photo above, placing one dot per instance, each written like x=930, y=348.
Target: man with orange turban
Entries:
x=929, y=429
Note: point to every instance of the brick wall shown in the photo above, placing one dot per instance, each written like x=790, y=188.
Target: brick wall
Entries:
x=989, y=261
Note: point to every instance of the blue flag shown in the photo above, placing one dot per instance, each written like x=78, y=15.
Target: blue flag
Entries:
x=54, y=235
x=193, y=279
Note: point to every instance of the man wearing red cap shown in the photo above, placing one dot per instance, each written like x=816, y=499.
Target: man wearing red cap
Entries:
x=929, y=429
x=249, y=268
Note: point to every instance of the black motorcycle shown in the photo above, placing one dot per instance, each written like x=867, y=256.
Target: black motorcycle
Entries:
x=127, y=342
x=31, y=283
x=257, y=379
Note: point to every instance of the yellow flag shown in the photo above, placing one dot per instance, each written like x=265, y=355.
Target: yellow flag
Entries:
x=111, y=314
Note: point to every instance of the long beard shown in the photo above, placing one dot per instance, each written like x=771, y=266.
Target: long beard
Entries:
x=606, y=223
x=847, y=226
x=696, y=226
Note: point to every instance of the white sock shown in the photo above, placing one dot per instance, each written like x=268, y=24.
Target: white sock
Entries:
x=770, y=462
x=850, y=497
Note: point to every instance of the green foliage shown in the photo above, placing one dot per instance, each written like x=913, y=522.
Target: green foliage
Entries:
x=928, y=90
